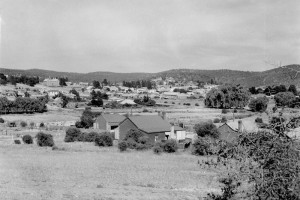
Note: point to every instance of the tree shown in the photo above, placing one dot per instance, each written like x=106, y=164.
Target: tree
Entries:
x=105, y=82
x=77, y=96
x=252, y=90
x=293, y=89
x=87, y=120
x=206, y=129
x=62, y=81
x=259, y=104
x=227, y=97
x=96, y=84
x=284, y=99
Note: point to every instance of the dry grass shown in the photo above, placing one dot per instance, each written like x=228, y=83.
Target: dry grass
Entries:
x=84, y=171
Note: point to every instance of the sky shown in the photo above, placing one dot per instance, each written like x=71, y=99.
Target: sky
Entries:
x=149, y=35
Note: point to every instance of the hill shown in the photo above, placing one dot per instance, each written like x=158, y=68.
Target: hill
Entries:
x=287, y=75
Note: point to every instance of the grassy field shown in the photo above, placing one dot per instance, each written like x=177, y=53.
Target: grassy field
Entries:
x=84, y=171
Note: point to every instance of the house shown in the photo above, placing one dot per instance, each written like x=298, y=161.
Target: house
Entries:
x=127, y=102
x=229, y=133
x=154, y=126
x=176, y=133
x=52, y=93
x=54, y=82
x=108, y=122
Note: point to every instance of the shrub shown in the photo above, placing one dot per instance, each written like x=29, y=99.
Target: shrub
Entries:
x=78, y=124
x=27, y=139
x=131, y=143
x=284, y=99
x=1, y=120
x=258, y=120
x=17, y=141
x=224, y=119
x=104, y=140
x=134, y=134
x=259, y=104
x=173, y=102
x=224, y=111
x=140, y=146
x=42, y=125
x=144, y=140
x=157, y=149
x=72, y=134
x=90, y=137
x=196, y=104
x=200, y=147
x=23, y=124
x=235, y=110
x=31, y=124
x=122, y=146
x=44, y=140
x=216, y=120
x=170, y=146
x=145, y=110
x=206, y=129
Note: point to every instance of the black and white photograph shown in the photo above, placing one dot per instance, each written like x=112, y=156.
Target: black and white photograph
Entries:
x=149, y=100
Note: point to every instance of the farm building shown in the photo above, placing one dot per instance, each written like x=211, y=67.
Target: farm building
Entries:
x=229, y=133
x=176, y=133
x=108, y=122
x=154, y=126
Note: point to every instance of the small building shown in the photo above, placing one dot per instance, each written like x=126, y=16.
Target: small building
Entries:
x=176, y=133
x=52, y=93
x=108, y=122
x=154, y=126
x=51, y=82
x=228, y=133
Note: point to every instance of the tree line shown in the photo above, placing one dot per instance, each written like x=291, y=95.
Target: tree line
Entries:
x=139, y=84
x=23, y=105
x=28, y=80
x=272, y=90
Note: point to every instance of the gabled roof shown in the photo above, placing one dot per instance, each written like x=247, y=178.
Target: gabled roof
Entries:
x=150, y=123
x=114, y=118
x=225, y=124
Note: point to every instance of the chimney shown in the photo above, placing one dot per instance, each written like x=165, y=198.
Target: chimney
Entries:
x=240, y=123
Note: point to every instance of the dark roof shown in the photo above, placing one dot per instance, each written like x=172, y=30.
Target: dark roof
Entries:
x=178, y=128
x=114, y=118
x=151, y=123
x=225, y=124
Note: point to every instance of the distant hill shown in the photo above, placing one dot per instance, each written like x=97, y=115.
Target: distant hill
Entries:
x=287, y=75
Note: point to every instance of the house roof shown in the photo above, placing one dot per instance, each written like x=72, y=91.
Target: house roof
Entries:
x=128, y=101
x=150, y=123
x=113, y=118
x=178, y=128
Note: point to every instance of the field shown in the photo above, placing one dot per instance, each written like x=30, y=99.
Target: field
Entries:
x=84, y=171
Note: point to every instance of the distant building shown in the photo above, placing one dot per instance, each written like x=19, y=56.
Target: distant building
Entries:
x=51, y=82
x=52, y=93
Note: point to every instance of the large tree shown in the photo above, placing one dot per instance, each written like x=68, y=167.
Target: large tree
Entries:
x=284, y=99
x=227, y=97
x=259, y=104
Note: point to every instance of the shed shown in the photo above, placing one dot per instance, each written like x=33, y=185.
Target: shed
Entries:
x=108, y=122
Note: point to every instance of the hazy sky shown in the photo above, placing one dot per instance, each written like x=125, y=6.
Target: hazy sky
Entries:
x=149, y=35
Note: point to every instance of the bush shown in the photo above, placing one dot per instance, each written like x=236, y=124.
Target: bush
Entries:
x=173, y=102
x=44, y=140
x=170, y=146
x=122, y=146
x=224, y=119
x=42, y=125
x=235, y=110
x=140, y=146
x=200, y=147
x=157, y=149
x=196, y=104
x=206, y=129
x=72, y=134
x=104, y=140
x=23, y=124
x=258, y=120
x=284, y=99
x=224, y=111
x=259, y=104
x=1, y=120
x=90, y=137
x=134, y=134
x=27, y=139
x=78, y=124
x=131, y=143
x=145, y=110
x=31, y=124
x=17, y=141
x=144, y=140
x=216, y=120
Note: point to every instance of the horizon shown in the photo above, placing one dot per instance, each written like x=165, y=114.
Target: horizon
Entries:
x=138, y=36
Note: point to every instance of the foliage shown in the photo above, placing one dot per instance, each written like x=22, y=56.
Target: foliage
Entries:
x=90, y=137
x=200, y=147
x=259, y=104
x=22, y=105
x=86, y=119
x=224, y=111
x=122, y=145
x=28, y=80
x=216, y=120
x=284, y=99
x=17, y=141
x=146, y=101
x=96, y=84
x=104, y=140
x=196, y=104
x=223, y=119
x=96, y=98
x=77, y=96
x=62, y=81
x=44, y=140
x=170, y=146
x=293, y=89
x=139, y=84
x=1, y=120
x=265, y=162
x=72, y=134
x=78, y=124
x=227, y=97
x=206, y=129
x=23, y=124
x=27, y=139
x=134, y=135
x=42, y=125
x=157, y=149
x=258, y=120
